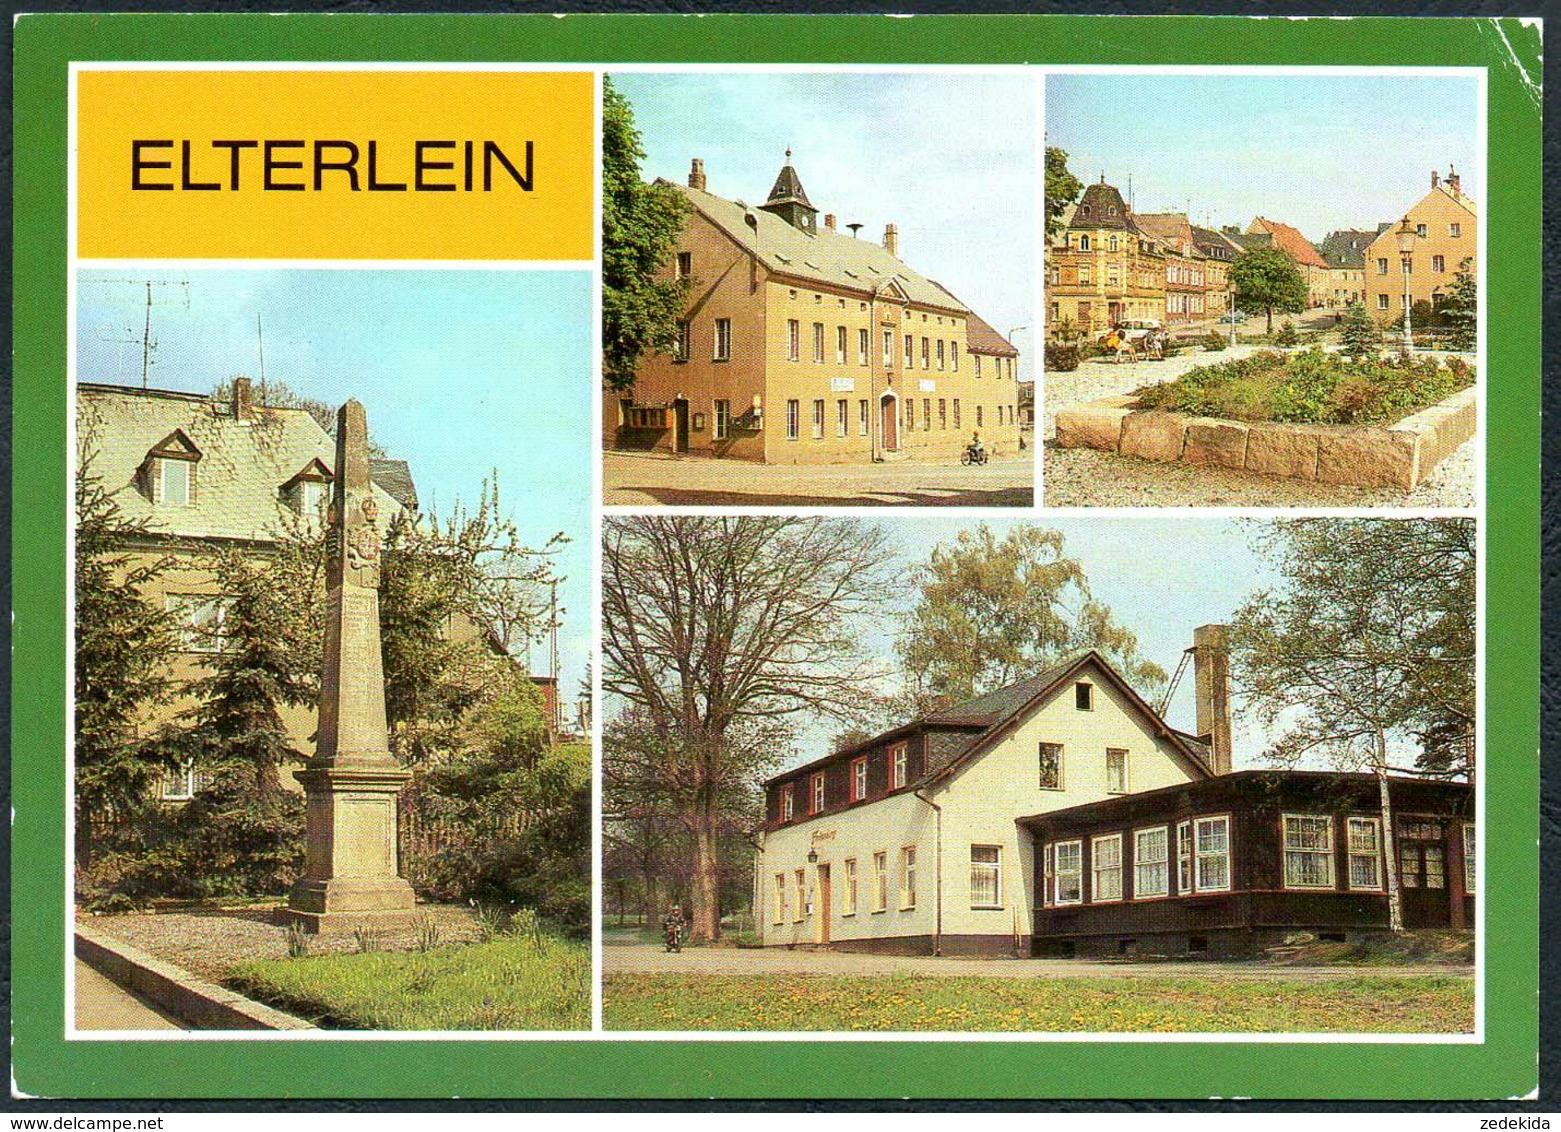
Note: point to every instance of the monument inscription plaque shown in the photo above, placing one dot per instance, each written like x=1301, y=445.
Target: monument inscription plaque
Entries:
x=350, y=875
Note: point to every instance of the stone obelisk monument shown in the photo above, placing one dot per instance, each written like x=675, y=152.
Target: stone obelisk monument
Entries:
x=350, y=868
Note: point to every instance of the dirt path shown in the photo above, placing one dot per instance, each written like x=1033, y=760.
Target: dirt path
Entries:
x=102, y=1004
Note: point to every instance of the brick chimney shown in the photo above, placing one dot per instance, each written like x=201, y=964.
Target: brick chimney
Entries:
x=243, y=399
x=696, y=174
x=829, y=221
x=1452, y=178
x=1211, y=674
x=1435, y=180
x=891, y=239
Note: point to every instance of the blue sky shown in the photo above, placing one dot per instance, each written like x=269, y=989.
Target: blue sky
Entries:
x=947, y=159
x=1161, y=577
x=462, y=373
x=1320, y=152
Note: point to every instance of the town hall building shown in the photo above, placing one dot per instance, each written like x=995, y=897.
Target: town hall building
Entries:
x=803, y=345
x=1063, y=815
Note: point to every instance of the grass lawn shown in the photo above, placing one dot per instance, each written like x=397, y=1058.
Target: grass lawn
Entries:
x=504, y=984
x=1364, y=1004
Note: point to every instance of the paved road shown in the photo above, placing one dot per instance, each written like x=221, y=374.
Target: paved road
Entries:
x=102, y=1004
x=640, y=478
x=632, y=956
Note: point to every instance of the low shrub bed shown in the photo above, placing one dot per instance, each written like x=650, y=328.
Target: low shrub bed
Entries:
x=531, y=981
x=1311, y=387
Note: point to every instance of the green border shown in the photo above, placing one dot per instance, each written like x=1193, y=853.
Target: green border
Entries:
x=1505, y=1065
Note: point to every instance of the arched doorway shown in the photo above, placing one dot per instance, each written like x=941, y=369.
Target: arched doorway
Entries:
x=889, y=421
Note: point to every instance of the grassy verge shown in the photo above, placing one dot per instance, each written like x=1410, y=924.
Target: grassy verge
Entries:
x=505, y=984
x=1448, y=948
x=1365, y=1004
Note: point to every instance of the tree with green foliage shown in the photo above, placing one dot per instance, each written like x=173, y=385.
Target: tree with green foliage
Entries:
x=124, y=645
x=1359, y=334
x=714, y=626
x=640, y=227
x=1460, y=310
x=992, y=611
x=1062, y=189
x=1267, y=279
x=1367, y=639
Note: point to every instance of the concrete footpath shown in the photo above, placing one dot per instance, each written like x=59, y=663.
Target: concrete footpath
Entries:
x=639, y=958
x=102, y=1004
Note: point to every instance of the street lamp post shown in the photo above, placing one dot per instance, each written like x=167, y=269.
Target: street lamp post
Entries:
x=1230, y=308
x=1406, y=248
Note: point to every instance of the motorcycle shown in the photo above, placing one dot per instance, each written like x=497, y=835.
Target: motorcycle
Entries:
x=674, y=936
x=972, y=455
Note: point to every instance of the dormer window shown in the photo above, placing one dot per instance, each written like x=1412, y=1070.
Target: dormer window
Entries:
x=173, y=477
x=1111, y=210
x=309, y=490
x=1084, y=211
x=167, y=474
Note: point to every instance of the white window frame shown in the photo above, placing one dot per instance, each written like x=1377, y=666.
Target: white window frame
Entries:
x=859, y=779
x=1077, y=872
x=1199, y=856
x=840, y=345
x=1121, y=784
x=888, y=349
x=184, y=777
x=1301, y=849
x=802, y=911
x=681, y=347
x=788, y=801
x=842, y=417
x=793, y=340
x=192, y=635
x=1185, y=873
x=863, y=416
x=907, y=878
x=1164, y=863
x=780, y=898
x=864, y=341
x=321, y=493
x=816, y=792
x=723, y=340
x=994, y=868
x=165, y=465
x=1375, y=855
x=723, y=418
x=881, y=881
x=818, y=343
x=941, y=349
x=1454, y=230
x=1096, y=870
x=954, y=356
x=899, y=765
x=818, y=418
x=793, y=419
x=848, y=895
x=1470, y=851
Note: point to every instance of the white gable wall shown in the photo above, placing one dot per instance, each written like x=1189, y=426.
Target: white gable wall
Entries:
x=980, y=805
x=982, y=802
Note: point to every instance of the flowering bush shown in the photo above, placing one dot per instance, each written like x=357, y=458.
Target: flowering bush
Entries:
x=1312, y=387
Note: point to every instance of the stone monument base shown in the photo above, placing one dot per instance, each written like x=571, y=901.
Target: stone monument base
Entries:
x=350, y=877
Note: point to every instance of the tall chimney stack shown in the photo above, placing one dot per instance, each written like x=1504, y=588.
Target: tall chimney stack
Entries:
x=891, y=239
x=696, y=174
x=1211, y=674
x=1435, y=180
x=1452, y=178
x=829, y=221
x=243, y=399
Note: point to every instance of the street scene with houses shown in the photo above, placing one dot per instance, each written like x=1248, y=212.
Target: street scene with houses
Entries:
x=960, y=776
x=331, y=761
x=761, y=347
x=1282, y=318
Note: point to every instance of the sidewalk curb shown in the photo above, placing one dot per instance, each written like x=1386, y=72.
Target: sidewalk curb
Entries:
x=204, y=1005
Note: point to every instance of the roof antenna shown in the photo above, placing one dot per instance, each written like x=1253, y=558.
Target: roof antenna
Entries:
x=855, y=228
x=260, y=336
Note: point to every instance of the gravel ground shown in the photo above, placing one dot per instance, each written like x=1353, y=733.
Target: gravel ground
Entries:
x=1084, y=477
x=208, y=942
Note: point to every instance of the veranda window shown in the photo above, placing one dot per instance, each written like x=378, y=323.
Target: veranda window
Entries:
x=1308, y=851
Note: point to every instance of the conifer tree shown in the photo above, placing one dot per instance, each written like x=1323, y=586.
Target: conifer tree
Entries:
x=1359, y=334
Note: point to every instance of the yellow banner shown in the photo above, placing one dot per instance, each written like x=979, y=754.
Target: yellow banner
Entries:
x=436, y=165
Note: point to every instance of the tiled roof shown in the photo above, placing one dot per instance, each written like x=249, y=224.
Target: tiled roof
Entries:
x=828, y=257
x=395, y=476
x=1167, y=227
x=1003, y=701
x=1290, y=240
x=1216, y=244
x=1101, y=206
x=981, y=338
x=242, y=465
x=1346, y=247
x=788, y=187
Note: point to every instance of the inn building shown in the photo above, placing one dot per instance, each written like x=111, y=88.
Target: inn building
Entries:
x=802, y=344
x=1103, y=269
x=1446, y=226
x=1063, y=815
